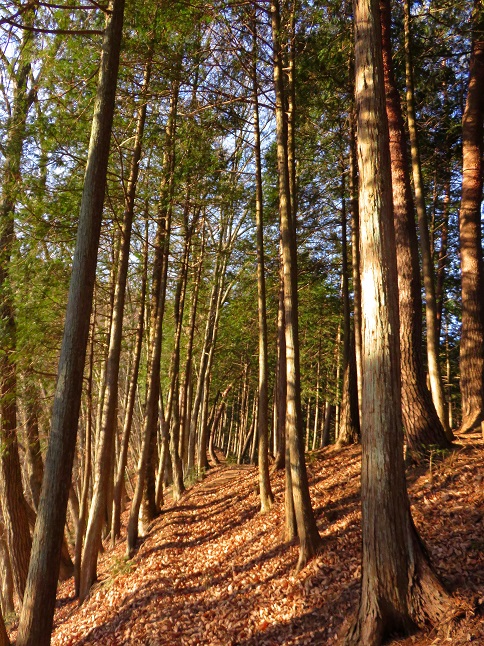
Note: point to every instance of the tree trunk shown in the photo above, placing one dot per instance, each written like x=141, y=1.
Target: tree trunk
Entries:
x=14, y=506
x=280, y=395
x=86, y=476
x=355, y=253
x=399, y=590
x=6, y=578
x=128, y=419
x=436, y=386
x=330, y=411
x=349, y=428
x=185, y=392
x=422, y=425
x=172, y=412
x=310, y=541
x=146, y=461
x=38, y=609
x=105, y=454
x=265, y=492
x=442, y=260
x=472, y=336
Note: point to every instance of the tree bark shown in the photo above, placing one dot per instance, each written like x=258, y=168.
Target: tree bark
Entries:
x=280, y=395
x=422, y=425
x=472, y=336
x=349, y=428
x=14, y=506
x=435, y=376
x=399, y=589
x=355, y=256
x=38, y=608
x=185, y=398
x=309, y=539
x=265, y=492
x=105, y=456
x=129, y=412
x=86, y=475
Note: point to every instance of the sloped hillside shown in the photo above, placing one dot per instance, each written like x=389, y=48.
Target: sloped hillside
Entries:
x=213, y=570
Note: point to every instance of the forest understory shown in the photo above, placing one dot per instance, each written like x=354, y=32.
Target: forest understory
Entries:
x=213, y=570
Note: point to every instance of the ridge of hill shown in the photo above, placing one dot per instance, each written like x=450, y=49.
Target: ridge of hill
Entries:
x=213, y=570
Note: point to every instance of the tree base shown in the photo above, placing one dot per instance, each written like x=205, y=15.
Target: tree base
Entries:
x=428, y=604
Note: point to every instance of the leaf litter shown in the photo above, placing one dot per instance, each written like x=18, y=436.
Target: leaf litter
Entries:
x=213, y=570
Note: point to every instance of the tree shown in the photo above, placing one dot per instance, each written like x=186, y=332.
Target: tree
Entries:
x=399, y=588
x=108, y=419
x=266, y=497
x=422, y=425
x=435, y=377
x=14, y=506
x=349, y=427
x=39, y=600
x=307, y=531
x=472, y=336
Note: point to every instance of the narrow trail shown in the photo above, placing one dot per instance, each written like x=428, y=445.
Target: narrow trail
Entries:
x=214, y=571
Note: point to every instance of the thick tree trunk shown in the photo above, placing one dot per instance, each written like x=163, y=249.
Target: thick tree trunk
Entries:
x=422, y=425
x=310, y=541
x=399, y=589
x=39, y=601
x=472, y=336
x=435, y=376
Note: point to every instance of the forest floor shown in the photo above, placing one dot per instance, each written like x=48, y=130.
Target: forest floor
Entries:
x=213, y=570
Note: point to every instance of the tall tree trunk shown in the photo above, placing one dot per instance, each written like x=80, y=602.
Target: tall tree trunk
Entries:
x=422, y=425
x=310, y=541
x=145, y=483
x=355, y=257
x=280, y=395
x=130, y=403
x=216, y=300
x=185, y=392
x=265, y=492
x=349, y=428
x=472, y=336
x=105, y=454
x=399, y=589
x=435, y=376
x=6, y=578
x=86, y=476
x=442, y=259
x=14, y=506
x=38, y=608
x=172, y=419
